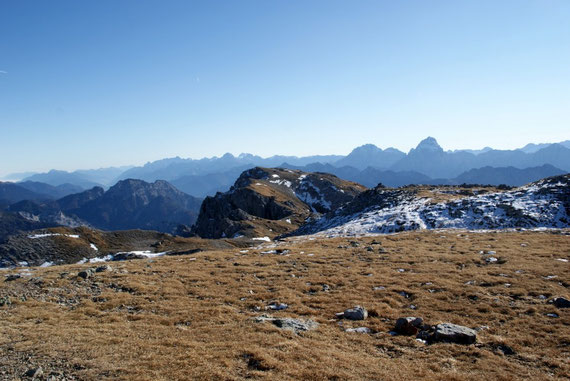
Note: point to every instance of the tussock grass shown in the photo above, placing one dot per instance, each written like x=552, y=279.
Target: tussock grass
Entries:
x=185, y=318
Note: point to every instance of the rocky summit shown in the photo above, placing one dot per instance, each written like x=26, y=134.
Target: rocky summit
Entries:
x=268, y=202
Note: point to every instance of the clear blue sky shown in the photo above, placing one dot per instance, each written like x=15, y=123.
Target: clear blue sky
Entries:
x=87, y=84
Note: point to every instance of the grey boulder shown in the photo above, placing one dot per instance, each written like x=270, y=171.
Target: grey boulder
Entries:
x=291, y=324
x=356, y=313
x=453, y=333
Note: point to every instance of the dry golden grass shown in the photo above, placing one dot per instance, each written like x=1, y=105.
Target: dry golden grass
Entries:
x=438, y=194
x=191, y=317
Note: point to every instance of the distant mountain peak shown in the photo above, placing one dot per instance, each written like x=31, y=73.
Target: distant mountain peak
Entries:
x=366, y=149
x=429, y=144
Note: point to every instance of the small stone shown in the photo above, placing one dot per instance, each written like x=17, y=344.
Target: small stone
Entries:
x=408, y=325
x=356, y=313
x=86, y=273
x=103, y=268
x=359, y=330
x=326, y=287
x=34, y=372
x=506, y=350
x=453, y=333
x=561, y=302
x=277, y=306
x=12, y=277
x=5, y=301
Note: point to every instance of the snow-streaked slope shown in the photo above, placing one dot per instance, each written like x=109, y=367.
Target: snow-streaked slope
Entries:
x=545, y=203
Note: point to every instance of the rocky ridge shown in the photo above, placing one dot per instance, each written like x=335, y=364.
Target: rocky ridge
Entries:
x=542, y=204
x=271, y=202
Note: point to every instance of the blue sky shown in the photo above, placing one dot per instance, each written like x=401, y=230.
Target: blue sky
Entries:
x=87, y=84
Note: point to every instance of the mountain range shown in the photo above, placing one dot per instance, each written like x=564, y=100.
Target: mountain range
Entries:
x=427, y=163
x=264, y=204
x=129, y=204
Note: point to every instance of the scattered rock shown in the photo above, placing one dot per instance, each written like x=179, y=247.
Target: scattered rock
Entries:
x=356, y=313
x=255, y=363
x=359, y=330
x=11, y=277
x=505, y=349
x=326, y=288
x=277, y=306
x=561, y=302
x=408, y=325
x=5, y=301
x=296, y=325
x=453, y=333
x=34, y=372
x=86, y=273
x=103, y=268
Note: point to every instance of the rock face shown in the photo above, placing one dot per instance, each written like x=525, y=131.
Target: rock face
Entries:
x=452, y=333
x=271, y=202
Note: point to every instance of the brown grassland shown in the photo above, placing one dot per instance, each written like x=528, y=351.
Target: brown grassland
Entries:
x=192, y=316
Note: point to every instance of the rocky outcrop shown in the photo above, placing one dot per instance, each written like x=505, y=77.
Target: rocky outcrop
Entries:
x=271, y=202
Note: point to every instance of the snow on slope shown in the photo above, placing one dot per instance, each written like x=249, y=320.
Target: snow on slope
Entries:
x=545, y=203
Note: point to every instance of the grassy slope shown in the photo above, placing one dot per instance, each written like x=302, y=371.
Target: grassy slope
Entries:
x=181, y=318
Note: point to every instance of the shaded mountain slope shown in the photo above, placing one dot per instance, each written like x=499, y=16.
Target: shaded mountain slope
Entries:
x=130, y=204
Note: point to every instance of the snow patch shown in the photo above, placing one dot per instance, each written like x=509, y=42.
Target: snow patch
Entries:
x=36, y=236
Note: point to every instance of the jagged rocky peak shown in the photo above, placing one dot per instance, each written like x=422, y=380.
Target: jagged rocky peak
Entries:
x=429, y=144
x=271, y=202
